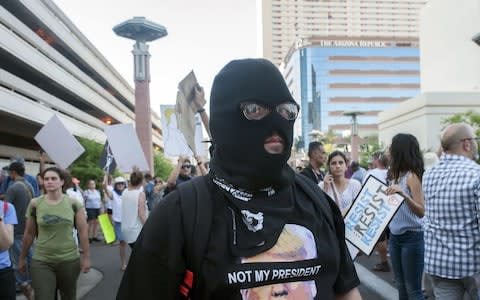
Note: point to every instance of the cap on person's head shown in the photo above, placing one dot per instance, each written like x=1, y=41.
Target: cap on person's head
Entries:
x=17, y=167
x=75, y=181
x=18, y=159
x=119, y=179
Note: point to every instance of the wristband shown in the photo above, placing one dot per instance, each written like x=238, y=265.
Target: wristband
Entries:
x=201, y=110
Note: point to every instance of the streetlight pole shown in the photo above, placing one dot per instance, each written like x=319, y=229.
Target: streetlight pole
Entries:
x=142, y=31
x=354, y=137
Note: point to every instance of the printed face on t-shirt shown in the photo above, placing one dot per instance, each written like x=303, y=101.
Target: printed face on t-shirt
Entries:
x=296, y=243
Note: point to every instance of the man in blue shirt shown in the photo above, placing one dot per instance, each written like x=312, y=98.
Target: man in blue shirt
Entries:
x=7, y=182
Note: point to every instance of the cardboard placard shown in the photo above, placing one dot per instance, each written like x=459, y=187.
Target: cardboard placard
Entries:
x=174, y=141
x=369, y=215
x=187, y=88
x=126, y=147
x=107, y=228
x=60, y=145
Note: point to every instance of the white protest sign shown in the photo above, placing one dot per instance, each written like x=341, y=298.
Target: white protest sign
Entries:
x=126, y=148
x=370, y=214
x=60, y=145
x=174, y=141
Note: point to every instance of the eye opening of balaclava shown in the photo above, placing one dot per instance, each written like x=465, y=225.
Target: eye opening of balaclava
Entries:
x=239, y=155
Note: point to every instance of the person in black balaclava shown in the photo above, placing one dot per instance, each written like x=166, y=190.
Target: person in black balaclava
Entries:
x=267, y=236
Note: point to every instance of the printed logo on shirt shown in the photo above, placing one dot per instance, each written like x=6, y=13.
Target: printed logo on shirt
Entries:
x=287, y=270
x=54, y=219
x=254, y=221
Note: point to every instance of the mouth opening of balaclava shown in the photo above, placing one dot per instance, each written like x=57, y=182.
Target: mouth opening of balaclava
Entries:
x=239, y=155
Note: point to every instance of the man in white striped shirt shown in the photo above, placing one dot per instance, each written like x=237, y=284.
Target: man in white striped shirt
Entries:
x=452, y=210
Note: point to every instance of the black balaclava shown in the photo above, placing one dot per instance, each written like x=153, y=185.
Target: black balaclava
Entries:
x=239, y=156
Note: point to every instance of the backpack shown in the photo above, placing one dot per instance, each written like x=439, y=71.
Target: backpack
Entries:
x=196, y=207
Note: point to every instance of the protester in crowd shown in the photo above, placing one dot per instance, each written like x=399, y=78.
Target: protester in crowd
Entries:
x=134, y=208
x=56, y=262
x=107, y=185
x=452, y=233
x=115, y=194
x=349, y=170
x=93, y=204
x=180, y=174
x=254, y=196
x=28, y=178
x=158, y=190
x=359, y=172
x=339, y=188
x=40, y=183
x=379, y=170
x=406, y=244
x=148, y=189
x=8, y=219
x=3, y=174
x=317, y=157
x=19, y=194
x=75, y=191
x=379, y=167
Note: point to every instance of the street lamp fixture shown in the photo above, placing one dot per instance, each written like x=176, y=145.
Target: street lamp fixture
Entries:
x=354, y=137
x=142, y=31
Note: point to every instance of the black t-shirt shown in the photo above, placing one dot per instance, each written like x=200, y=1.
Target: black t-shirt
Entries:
x=314, y=176
x=309, y=261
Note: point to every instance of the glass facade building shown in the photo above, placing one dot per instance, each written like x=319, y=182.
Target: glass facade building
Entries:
x=330, y=77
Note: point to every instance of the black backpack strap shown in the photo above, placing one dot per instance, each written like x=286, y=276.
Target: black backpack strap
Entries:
x=318, y=197
x=196, y=205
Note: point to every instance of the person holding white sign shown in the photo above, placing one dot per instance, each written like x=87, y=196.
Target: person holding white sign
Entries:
x=335, y=185
x=406, y=245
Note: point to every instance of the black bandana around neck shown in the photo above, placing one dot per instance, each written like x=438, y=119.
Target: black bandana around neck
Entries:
x=239, y=155
x=255, y=219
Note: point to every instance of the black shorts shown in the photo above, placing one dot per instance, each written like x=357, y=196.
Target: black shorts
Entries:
x=92, y=213
x=7, y=284
x=109, y=211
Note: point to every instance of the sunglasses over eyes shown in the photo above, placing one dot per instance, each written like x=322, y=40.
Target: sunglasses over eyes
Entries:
x=186, y=166
x=255, y=111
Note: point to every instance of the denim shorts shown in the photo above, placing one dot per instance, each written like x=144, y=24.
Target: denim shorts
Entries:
x=117, y=226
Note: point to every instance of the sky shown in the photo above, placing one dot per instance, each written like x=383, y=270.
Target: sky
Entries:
x=202, y=36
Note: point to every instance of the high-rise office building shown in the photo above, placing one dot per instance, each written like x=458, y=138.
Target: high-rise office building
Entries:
x=333, y=76
x=285, y=21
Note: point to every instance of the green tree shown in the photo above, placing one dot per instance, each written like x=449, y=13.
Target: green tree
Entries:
x=470, y=117
x=367, y=150
x=86, y=167
x=162, y=167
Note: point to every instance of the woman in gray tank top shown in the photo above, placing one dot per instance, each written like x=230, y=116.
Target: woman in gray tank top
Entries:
x=406, y=244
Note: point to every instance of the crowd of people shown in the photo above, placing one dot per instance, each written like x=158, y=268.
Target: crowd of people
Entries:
x=245, y=225
x=432, y=238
